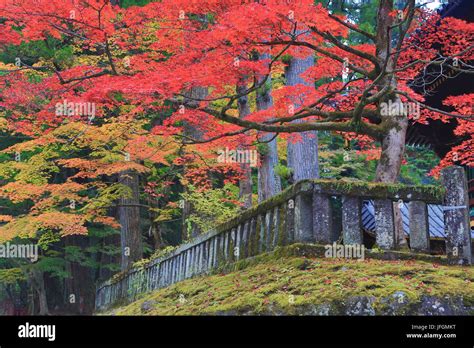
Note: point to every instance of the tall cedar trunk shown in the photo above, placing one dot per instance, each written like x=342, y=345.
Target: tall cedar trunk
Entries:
x=80, y=284
x=393, y=141
x=193, y=132
x=269, y=183
x=40, y=290
x=245, y=183
x=129, y=217
x=302, y=155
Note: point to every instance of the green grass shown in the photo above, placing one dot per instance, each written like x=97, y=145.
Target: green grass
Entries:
x=279, y=282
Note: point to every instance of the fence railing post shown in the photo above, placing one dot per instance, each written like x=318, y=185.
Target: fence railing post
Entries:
x=351, y=220
x=303, y=219
x=419, y=229
x=456, y=216
x=384, y=224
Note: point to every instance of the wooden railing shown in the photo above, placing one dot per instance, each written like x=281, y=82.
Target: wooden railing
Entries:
x=303, y=214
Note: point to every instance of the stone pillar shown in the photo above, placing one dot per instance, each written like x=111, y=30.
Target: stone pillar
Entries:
x=268, y=230
x=168, y=272
x=246, y=238
x=232, y=244
x=303, y=219
x=321, y=218
x=178, y=267
x=187, y=256
x=290, y=221
x=384, y=224
x=205, y=255
x=162, y=274
x=210, y=255
x=216, y=248
x=419, y=229
x=261, y=233
x=169, y=269
x=222, y=249
x=456, y=216
x=198, y=258
x=174, y=267
x=225, y=246
x=192, y=263
x=351, y=224
x=152, y=279
x=238, y=242
x=276, y=227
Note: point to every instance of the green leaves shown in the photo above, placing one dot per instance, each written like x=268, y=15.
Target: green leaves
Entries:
x=211, y=207
x=282, y=171
x=11, y=276
x=47, y=238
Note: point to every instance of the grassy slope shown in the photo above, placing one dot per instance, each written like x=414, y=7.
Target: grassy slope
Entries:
x=283, y=284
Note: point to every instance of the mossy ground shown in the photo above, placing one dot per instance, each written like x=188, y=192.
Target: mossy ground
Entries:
x=280, y=280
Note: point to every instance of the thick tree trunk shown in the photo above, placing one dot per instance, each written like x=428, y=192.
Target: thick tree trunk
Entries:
x=393, y=141
x=389, y=165
x=269, y=183
x=80, y=285
x=245, y=183
x=129, y=217
x=302, y=155
x=40, y=290
x=393, y=149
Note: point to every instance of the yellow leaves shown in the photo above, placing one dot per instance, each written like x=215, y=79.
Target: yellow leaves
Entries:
x=18, y=192
x=6, y=218
x=30, y=145
x=233, y=112
x=68, y=130
x=3, y=124
x=94, y=168
x=67, y=224
x=38, y=170
x=165, y=214
x=85, y=60
x=109, y=133
x=9, y=169
x=116, y=168
x=28, y=226
x=22, y=227
x=11, y=275
x=77, y=151
x=10, y=67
